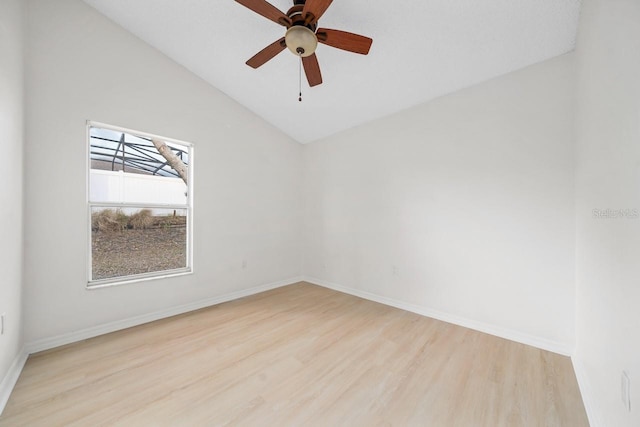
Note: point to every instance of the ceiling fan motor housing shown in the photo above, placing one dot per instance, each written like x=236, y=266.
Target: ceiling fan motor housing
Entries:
x=300, y=37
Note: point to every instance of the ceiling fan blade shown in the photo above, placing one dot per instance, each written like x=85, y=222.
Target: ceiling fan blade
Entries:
x=314, y=9
x=312, y=70
x=344, y=40
x=267, y=53
x=267, y=10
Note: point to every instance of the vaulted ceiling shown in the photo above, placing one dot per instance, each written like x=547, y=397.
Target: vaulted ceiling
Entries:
x=421, y=50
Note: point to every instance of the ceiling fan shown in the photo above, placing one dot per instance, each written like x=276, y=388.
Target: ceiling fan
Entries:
x=303, y=35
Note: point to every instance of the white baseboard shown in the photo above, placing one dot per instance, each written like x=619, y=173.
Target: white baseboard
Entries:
x=71, y=337
x=11, y=378
x=587, y=393
x=498, y=331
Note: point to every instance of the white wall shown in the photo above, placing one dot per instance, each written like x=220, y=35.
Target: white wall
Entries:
x=11, y=146
x=608, y=177
x=247, y=189
x=462, y=206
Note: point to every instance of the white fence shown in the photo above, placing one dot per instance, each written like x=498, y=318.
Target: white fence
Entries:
x=123, y=187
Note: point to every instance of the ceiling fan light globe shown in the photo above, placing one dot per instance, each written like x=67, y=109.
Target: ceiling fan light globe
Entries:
x=301, y=41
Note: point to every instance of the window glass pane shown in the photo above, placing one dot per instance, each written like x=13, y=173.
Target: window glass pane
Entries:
x=130, y=241
x=127, y=168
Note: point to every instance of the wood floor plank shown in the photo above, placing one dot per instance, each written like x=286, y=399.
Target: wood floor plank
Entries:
x=297, y=355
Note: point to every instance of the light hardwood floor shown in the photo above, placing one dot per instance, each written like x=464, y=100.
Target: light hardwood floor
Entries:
x=300, y=355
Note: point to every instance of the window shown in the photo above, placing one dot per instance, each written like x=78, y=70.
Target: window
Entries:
x=139, y=205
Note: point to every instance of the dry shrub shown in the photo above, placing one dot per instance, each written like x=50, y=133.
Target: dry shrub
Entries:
x=122, y=218
x=141, y=219
x=108, y=220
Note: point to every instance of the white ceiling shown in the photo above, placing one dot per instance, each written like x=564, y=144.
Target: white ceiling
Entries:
x=421, y=50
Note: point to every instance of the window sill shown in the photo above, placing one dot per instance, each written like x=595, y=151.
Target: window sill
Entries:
x=107, y=283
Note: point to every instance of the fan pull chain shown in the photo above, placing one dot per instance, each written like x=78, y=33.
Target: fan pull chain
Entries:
x=300, y=78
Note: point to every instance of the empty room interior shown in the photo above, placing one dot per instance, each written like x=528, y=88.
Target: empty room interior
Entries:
x=321, y=213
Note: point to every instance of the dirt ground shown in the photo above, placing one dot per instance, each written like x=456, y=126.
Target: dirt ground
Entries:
x=128, y=252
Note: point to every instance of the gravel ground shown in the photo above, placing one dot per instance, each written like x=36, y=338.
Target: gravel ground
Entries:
x=128, y=252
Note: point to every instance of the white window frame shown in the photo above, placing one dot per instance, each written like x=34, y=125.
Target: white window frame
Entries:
x=122, y=280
